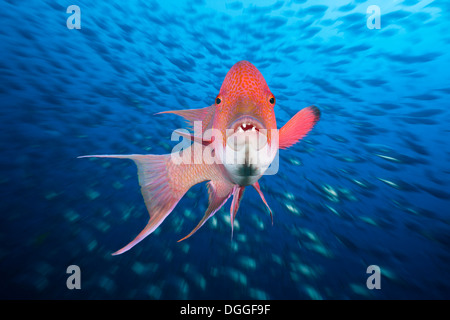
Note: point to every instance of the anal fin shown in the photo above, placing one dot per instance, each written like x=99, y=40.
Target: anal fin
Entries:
x=238, y=192
x=219, y=192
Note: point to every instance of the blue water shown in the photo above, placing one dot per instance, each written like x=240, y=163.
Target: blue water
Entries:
x=368, y=186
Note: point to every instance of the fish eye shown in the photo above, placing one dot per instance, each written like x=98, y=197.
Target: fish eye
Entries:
x=218, y=101
x=272, y=100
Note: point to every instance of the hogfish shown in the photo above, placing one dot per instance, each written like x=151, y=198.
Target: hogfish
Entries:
x=234, y=143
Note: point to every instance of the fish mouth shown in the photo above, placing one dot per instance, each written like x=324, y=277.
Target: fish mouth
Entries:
x=246, y=124
x=246, y=132
x=247, y=152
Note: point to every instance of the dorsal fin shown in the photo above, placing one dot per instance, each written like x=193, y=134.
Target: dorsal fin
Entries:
x=191, y=115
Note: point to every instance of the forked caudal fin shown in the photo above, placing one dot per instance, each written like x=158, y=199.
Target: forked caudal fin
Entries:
x=159, y=195
x=163, y=184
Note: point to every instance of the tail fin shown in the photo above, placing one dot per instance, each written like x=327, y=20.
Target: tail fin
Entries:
x=159, y=192
x=164, y=182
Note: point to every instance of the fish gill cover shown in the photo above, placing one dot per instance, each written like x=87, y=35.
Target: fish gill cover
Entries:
x=369, y=185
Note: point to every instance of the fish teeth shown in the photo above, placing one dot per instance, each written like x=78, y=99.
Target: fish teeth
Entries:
x=246, y=126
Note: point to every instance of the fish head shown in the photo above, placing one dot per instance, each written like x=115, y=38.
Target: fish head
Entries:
x=245, y=119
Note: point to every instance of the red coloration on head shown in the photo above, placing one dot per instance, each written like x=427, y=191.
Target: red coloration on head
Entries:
x=244, y=92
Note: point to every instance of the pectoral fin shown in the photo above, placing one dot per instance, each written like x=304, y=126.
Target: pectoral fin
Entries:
x=298, y=126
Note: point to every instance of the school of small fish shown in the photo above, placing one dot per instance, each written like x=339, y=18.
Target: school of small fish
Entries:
x=369, y=184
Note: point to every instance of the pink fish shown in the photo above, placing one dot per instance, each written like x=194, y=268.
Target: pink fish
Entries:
x=237, y=143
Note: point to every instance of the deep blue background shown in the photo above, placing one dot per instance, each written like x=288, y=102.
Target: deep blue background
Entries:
x=369, y=185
